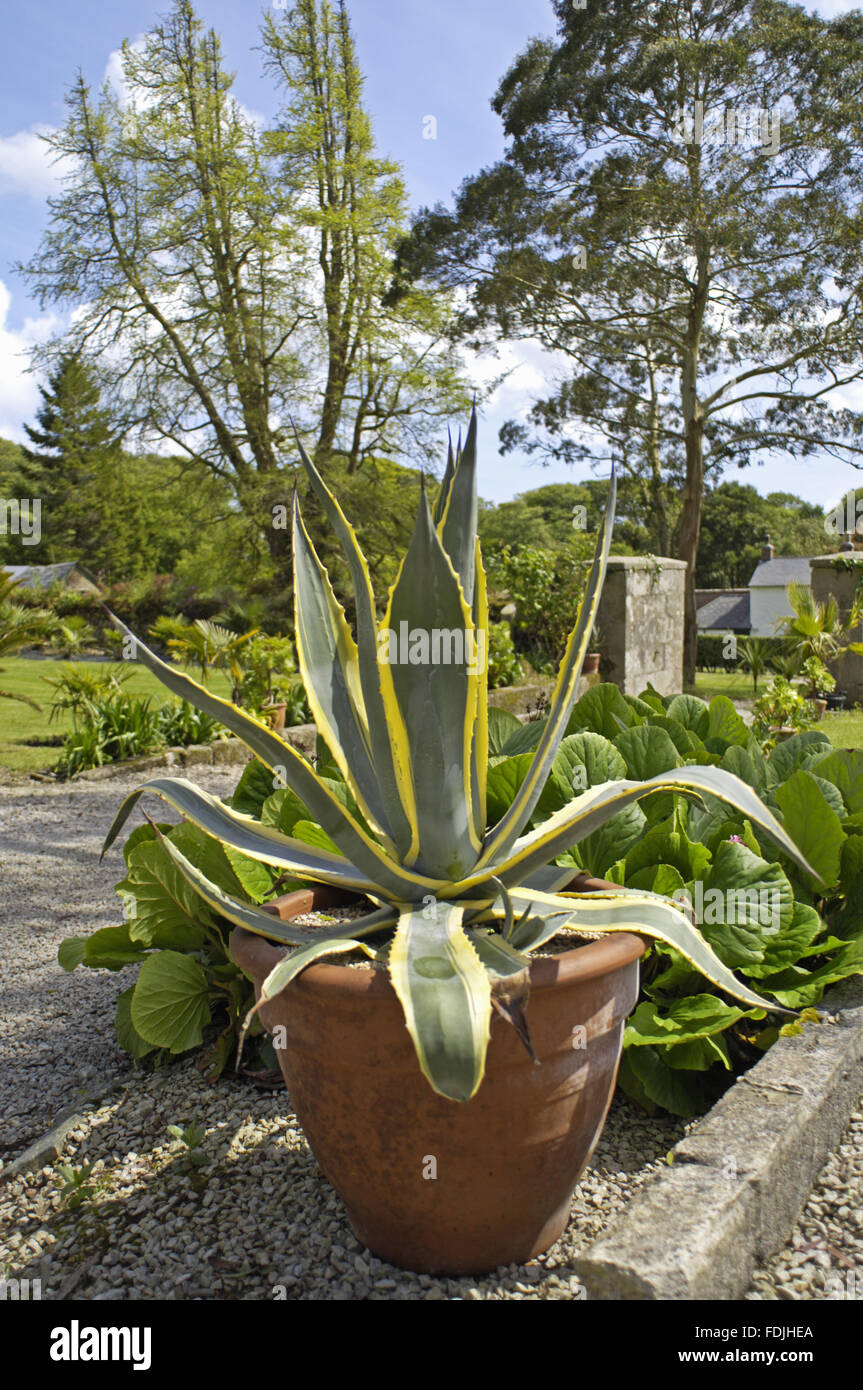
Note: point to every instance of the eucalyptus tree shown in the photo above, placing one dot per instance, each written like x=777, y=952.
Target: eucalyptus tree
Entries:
x=677, y=217
x=224, y=269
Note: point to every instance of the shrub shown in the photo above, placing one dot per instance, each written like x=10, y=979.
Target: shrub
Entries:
x=504, y=666
x=546, y=587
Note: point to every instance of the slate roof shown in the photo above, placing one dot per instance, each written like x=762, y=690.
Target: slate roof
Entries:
x=777, y=574
x=43, y=576
x=727, y=611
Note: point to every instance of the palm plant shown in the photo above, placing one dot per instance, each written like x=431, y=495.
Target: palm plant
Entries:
x=205, y=644
x=817, y=629
x=72, y=636
x=457, y=905
x=756, y=658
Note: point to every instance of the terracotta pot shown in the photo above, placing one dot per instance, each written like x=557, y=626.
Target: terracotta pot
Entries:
x=429, y=1184
x=820, y=704
x=591, y=664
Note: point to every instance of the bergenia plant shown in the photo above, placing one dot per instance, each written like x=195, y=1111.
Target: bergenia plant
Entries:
x=457, y=905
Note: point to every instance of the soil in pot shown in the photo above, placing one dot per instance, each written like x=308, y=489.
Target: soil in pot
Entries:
x=430, y=1184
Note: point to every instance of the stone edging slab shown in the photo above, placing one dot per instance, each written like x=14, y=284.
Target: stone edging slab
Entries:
x=737, y=1184
x=223, y=750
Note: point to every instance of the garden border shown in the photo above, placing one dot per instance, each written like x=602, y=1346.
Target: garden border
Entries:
x=738, y=1182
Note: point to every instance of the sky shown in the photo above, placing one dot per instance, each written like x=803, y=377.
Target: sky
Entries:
x=421, y=58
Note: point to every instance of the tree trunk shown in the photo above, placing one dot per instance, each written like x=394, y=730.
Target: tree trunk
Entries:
x=690, y=527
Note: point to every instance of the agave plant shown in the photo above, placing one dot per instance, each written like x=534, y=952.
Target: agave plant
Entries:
x=458, y=905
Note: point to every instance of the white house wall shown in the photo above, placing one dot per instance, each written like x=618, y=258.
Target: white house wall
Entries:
x=766, y=606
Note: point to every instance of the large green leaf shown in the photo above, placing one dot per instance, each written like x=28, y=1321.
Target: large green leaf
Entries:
x=746, y=902
x=162, y=910
x=725, y=723
x=749, y=765
x=597, y=851
x=844, y=768
x=505, y=776
x=647, y=750
x=446, y=996
x=646, y=1076
x=601, y=710
x=501, y=725
x=256, y=784
x=813, y=824
x=797, y=752
x=686, y=1020
x=692, y=713
x=170, y=1002
x=664, y=846
x=127, y=1034
x=788, y=945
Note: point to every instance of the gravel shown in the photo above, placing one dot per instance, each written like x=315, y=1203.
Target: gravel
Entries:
x=57, y=1029
x=823, y=1257
x=257, y=1220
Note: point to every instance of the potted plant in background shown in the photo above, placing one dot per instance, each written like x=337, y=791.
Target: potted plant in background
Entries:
x=819, y=682
x=453, y=1091
x=265, y=658
x=594, y=655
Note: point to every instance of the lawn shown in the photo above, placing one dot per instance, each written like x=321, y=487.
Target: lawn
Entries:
x=24, y=731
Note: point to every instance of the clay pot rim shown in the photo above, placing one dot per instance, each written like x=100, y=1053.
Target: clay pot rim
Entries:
x=257, y=955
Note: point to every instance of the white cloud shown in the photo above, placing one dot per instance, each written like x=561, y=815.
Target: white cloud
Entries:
x=28, y=165
x=19, y=392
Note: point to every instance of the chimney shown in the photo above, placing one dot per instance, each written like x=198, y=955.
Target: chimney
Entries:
x=767, y=551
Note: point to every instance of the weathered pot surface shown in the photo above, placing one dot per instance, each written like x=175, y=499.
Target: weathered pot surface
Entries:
x=430, y=1184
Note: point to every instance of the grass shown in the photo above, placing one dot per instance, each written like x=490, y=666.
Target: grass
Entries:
x=21, y=725
x=737, y=685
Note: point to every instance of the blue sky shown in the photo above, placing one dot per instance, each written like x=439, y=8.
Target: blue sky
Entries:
x=420, y=57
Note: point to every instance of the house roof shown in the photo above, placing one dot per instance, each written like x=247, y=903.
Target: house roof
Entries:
x=777, y=574
x=726, y=611
x=43, y=576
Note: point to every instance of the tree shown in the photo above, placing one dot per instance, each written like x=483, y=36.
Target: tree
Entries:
x=228, y=276
x=703, y=285
x=735, y=522
x=73, y=442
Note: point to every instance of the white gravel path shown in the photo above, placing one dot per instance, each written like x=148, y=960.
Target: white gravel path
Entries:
x=57, y=1029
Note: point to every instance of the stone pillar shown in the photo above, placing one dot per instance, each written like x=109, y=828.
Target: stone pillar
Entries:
x=641, y=623
x=839, y=575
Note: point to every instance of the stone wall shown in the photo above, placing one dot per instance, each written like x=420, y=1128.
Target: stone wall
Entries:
x=641, y=623
x=839, y=575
